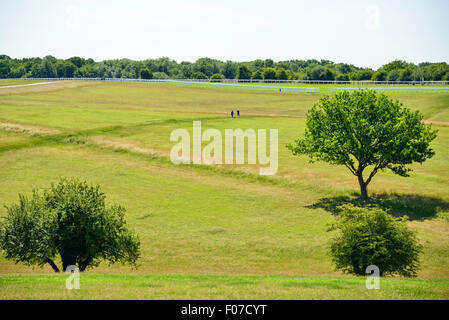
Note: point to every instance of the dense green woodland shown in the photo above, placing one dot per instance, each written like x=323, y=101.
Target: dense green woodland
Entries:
x=207, y=68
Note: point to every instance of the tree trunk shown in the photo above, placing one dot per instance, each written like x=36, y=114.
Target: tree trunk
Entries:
x=363, y=187
x=53, y=265
x=67, y=260
x=85, y=263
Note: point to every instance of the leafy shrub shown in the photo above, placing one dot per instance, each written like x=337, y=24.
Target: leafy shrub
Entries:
x=373, y=237
x=70, y=220
x=257, y=75
x=406, y=74
x=445, y=77
x=146, y=74
x=393, y=75
x=380, y=75
x=320, y=73
x=243, y=73
x=217, y=77
x=360, y=75
x=199, y=75
x=269, y=74
x=342, y=77
x=160, y=75
x=281, y=74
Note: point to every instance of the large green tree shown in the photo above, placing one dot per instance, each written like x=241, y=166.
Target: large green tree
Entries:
x=243, y=73
x=380, y=75
x=199, y=75
x=230, y=70
x=70, y=221
x=320, y=73
x=366, y=133
x=65, y=69
x=342, y=77
x=4, y=68
x=269, y=74
x=406, y=74
x=45, y=69
x=281, y=74
x=146, y=73
x=256, y=75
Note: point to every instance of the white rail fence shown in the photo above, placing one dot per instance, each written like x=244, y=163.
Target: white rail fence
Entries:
x=252, y=86
x=360, y=82
x=398, y=89
x=192, y=83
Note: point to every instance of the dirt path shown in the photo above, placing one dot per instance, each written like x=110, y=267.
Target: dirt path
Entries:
x=26, y=85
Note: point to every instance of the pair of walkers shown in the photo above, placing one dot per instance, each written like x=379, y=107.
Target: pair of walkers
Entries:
x=232, y=113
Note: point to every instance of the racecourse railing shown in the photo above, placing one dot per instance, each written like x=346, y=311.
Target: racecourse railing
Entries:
x=360, y=82
x=397, y=89
x=192, y=83
x=261, y=87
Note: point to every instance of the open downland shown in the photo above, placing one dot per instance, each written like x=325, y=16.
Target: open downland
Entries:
x=209, y=232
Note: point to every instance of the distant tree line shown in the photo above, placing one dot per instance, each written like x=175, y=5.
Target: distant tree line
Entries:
x=216, y=70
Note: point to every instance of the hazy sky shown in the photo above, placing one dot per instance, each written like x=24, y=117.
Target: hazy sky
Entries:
x=365, y=33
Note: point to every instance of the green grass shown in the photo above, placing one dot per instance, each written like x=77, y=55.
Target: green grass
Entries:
x=209, y=232
x=323, y=88
x=176, y=286
x=9, y=139
x=81, y=118
x=223, y=231
x=173, y=99
x=431, y=178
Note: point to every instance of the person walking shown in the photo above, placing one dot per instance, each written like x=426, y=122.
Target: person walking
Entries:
x=232, y=114
x=238, y=113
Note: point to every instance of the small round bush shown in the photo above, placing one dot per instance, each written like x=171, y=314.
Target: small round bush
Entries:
x=217, y=77
x=199, y=75
x=373, y=237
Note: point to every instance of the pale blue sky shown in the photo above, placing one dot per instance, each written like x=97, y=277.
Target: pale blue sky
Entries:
x=365, y=33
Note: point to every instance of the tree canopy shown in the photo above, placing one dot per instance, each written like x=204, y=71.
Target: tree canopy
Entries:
x=269, y=73
x=69, y=221
x=243, y=72
x=311, y=69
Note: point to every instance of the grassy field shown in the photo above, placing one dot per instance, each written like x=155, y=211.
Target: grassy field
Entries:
x=209, y=232
x=235, y=287
x=323, y=88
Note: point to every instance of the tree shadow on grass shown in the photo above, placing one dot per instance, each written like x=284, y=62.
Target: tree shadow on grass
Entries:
x=416, y=207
